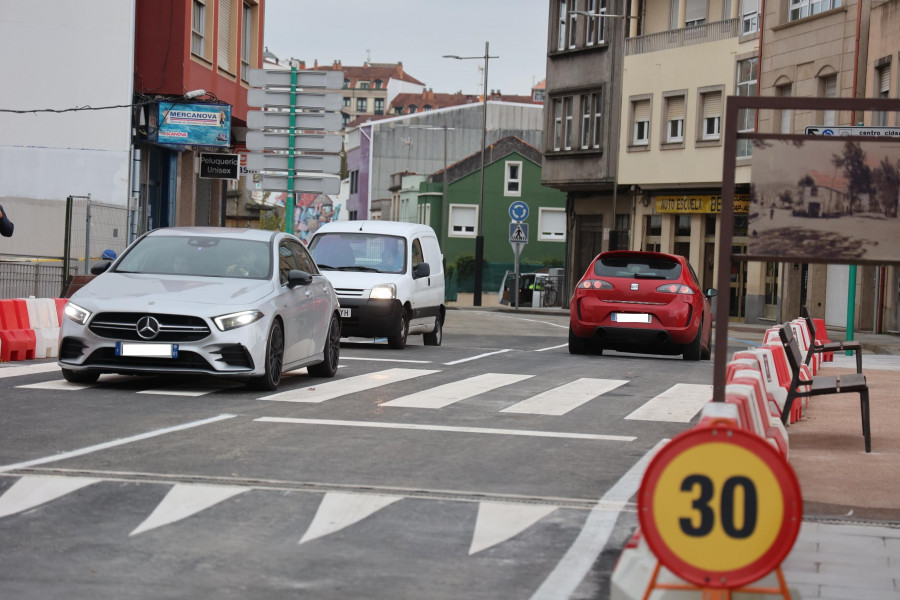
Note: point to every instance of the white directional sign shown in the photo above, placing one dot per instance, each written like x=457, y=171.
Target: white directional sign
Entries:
x=272, y=120
x=302, y=184
x=301, y=100
x=852, y=130
x=275, y=78
x=307, y=163
x=306, y=142
x=518, y=233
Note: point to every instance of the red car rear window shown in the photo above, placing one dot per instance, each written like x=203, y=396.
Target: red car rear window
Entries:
x=635, y=267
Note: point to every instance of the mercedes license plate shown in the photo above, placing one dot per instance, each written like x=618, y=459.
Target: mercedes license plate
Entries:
x=151, y=350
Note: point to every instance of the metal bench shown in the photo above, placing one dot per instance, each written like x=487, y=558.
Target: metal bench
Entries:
x=821, y=385
x=817, y=346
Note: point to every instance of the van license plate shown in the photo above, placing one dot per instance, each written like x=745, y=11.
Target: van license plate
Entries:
x=345, y=312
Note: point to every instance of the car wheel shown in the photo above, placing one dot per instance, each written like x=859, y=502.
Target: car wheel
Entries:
x=332, y=352
x=80, y=376
x=577, y=345
x=398, y=340
x=706, y=353
x=434, y=338
x=692, y=351
x=274, y=359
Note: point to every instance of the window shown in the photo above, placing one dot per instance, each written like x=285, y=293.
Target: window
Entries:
x=711, y=115
x=551, y=224
x=363, y=85
x=652, y=233
x=561, y=32
x=641, y=122
x=585, y=121
x=674, y=119
x=573, y=24
x=828, y=89
x=379, y=84
x=354, y=182
x=749, y=16
x=785, y=122
x=557, y=124
x=594, y=31
x=346, y=84
x=463, y=219
x=800, y=9
x=362, y=104
x=346, y=118
x=200, y=34
x=346, y=101
x=223, y=41
x=413, y=108
x=248, y=30
x=597, y=101
x=882, y=90
x=567, y=111
x=427, y=107
x=746, y=119
x=512, y=184
x=379, y=106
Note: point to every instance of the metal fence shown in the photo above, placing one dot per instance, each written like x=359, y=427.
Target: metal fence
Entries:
x=22, y=279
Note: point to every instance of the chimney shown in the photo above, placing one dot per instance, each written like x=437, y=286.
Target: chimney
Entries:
x=302, y=65
x=337, y=65
x=316, y=65
x=400, y=70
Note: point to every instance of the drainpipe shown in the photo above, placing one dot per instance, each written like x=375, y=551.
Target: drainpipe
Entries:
x=851, y=297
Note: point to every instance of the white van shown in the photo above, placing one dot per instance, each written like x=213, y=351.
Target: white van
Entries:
x=389, y=278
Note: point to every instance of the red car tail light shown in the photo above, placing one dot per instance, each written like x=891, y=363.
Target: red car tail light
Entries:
x=595, y=284
x=675, y=288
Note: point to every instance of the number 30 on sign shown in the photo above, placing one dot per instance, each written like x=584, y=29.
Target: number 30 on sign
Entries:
x=719, y=507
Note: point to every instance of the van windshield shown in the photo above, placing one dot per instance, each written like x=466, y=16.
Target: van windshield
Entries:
x=359, y=252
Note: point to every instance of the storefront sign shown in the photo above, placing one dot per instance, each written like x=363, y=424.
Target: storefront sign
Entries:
x=194, y=124
x=686, y=204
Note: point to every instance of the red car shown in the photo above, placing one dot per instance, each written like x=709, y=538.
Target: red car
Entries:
x=645, y=302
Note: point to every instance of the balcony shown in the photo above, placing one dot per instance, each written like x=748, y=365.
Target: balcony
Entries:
x=686, y=36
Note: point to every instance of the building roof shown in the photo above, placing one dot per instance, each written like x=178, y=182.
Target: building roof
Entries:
x=429, y=98
x=366, y=72
x=495, y=152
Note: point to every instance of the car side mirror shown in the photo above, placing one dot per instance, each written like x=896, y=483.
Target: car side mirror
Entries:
x=100, y=267
x=711, y=292
x=297, y=278
x=421, y=270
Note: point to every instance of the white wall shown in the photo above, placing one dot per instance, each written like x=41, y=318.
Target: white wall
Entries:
x=397, y=86
x=63, y=54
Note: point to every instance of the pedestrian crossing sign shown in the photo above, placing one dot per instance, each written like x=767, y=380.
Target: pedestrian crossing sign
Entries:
x=518, y=233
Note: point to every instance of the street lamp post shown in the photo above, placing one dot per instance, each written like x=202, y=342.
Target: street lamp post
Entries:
x=479, y=233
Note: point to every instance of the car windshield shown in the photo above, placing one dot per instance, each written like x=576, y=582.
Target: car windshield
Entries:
x=359, y=252
x=638, y=267
x=200, y=256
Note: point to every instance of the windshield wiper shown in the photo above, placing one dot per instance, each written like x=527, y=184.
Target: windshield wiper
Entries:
x=321, y=266
x=648, y=276
x=356, y=268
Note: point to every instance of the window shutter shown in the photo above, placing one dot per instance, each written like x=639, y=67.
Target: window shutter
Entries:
x=748, y=7
x=831, y=86
x=712, y=105
x=642, y=110
x=884, y=79
x=224, y=47
x=696, y=11
x=675, y=108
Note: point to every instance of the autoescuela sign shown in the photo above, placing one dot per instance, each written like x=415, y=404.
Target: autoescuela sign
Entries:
x=219, y=166
x=686, y=204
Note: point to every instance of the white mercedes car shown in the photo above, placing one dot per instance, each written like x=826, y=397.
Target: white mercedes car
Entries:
x=246, y=304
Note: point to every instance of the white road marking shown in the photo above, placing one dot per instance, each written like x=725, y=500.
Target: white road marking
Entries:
x=339, y=510
x=582, y=554
x=59, y=385
x=564, y=398
x=447, y=394
x=456, y=362
x=678, y=404
x=415, y=427
x=28, y=369
x=394, y=360
x=184, y=500
x=320, y=392
x=566, y=345
x=34, y=490
x=112, y=444
x=499, y=521
x=192, y=389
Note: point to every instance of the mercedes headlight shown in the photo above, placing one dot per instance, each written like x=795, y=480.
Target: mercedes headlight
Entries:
x=238, y=319
x=76, y=313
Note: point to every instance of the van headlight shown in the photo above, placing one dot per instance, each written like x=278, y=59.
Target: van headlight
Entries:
x=384, y=291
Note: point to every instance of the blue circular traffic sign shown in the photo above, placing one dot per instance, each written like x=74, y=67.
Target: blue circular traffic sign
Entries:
x=518, y=211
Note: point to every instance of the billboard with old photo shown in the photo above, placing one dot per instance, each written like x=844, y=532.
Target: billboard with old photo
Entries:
x=824, y=200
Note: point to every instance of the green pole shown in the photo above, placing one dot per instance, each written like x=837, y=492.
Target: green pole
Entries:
x=289, y=202
x=851, y=305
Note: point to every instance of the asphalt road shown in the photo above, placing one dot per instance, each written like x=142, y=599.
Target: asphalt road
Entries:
x=494, y=466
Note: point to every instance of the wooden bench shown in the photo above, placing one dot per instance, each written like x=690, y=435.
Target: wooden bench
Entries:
x=817, y=346
x=822, y=384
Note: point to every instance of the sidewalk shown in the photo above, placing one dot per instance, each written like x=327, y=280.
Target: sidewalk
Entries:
x=849, y=542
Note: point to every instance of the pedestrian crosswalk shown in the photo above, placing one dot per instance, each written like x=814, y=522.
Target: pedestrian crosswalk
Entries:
x=527, y=394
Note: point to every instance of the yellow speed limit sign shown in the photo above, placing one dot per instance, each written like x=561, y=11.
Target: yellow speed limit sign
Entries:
x=720, y=507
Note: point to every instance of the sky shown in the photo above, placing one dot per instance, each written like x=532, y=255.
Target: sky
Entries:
x=418, y=33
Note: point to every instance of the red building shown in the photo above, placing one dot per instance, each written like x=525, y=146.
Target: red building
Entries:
x=182, y=47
